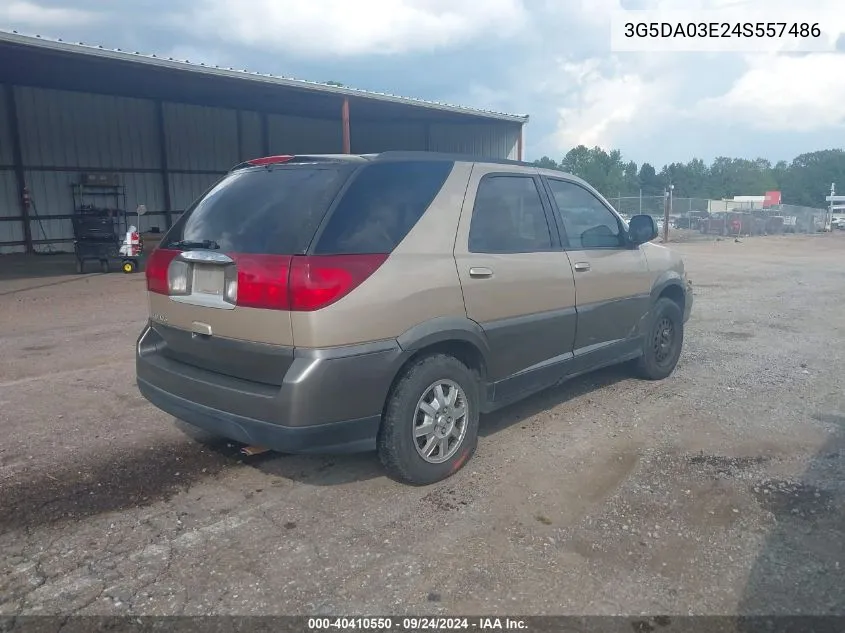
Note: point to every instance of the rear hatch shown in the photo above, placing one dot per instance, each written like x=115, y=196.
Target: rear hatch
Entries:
x=219, y=281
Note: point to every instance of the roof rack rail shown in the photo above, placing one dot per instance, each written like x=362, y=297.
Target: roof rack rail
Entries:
x=424, y=155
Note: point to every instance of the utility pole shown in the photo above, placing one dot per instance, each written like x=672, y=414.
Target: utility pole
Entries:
x=641, y=200
x=828, y=221
x=667, y=212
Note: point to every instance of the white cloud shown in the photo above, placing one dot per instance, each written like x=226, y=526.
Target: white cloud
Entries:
x=610, y=100
x=784, y=93
x=603, y=100
x=607, y=100
x=30, y=15
x=347, y=28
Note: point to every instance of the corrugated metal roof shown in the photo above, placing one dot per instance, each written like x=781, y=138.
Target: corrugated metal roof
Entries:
x=80, y=48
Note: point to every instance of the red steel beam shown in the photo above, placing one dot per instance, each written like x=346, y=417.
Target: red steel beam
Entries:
x=347, y=142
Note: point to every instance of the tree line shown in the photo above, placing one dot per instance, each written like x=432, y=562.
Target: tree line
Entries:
x=805, y=181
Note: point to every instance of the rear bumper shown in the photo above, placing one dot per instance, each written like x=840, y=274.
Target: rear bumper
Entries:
x=348, y=436
x=326, y=401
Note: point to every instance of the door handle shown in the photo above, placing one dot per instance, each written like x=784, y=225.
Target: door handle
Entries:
x=582, y=267
x=480, y=273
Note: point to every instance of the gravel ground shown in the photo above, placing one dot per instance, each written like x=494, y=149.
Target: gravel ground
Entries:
x=718, y=491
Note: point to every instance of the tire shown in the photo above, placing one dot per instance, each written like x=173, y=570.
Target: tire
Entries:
x=398, y=447
x=128, y=267
x=658, y=361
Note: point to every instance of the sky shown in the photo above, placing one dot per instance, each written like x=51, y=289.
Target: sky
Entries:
x=552, y=60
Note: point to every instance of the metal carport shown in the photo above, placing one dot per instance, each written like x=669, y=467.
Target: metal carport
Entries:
x=168, y=129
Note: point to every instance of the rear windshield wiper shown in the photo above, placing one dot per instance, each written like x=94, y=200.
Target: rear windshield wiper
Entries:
x=208, y=244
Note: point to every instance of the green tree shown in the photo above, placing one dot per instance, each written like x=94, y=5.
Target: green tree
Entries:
x=546, y=163
x=807, y=180
x=650, y=182
x=804, y=181
x=632, y=179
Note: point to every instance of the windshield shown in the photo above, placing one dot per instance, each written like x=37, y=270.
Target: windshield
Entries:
x=268, y=210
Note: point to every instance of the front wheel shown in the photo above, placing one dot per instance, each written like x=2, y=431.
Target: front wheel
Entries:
x=663, y=341
x=430, y=424
x=128, y=266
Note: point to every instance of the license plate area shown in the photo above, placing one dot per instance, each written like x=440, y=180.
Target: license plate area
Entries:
x=208, y=280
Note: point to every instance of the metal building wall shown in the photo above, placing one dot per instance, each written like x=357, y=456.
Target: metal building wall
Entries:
x=11, y=223
x=202, y=145
x=297, y=135
x=252, y=144
x=200, y=139
x=478, y=139
x=64, y=134
x=371, y=138
x=11, y=227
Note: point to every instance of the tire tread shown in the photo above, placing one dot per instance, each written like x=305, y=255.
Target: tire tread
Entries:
x=646, y=368
x=390, y=441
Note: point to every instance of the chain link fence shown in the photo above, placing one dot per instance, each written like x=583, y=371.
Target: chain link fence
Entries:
x=725, y=217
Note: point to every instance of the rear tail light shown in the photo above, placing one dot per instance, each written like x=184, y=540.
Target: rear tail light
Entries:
x=157, y=270
x=264, y=161
x=262, y=281
x=230, y=289
x=270, y=160
x=299, y=283
x=271, y=282
x=178, y=278
x=317, y=282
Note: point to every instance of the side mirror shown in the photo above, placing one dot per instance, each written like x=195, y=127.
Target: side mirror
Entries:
x=641, y=229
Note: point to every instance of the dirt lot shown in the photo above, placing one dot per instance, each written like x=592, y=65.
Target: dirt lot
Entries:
x=719, y=490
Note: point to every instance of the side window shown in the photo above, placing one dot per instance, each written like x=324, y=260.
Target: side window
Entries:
x=381, y=206
x=587, y=222
x=508, y=217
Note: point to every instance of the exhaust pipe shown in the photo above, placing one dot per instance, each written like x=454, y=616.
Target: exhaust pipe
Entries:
x=249, y=451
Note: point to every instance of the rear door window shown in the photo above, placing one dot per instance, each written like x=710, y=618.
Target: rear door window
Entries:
x=381, y=205
x=508, y=217
x=261, y=210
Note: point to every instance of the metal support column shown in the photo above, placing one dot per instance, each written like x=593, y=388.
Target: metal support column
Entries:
x=165, y=173
x=519, y=143
x=344, y=113
x=17, y=160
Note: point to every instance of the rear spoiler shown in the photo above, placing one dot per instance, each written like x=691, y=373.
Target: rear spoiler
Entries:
x=282, y=159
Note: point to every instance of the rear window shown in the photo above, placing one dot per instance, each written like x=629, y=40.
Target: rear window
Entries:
x=269, y=210
x=381, y=205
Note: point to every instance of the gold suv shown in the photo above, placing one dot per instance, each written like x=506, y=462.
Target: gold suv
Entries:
x=383, y=302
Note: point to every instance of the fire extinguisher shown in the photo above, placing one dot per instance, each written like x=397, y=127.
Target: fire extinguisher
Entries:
x=135, y=242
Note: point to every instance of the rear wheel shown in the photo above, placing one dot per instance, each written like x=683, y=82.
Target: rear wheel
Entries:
x=430, y=425
x=663, y=342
